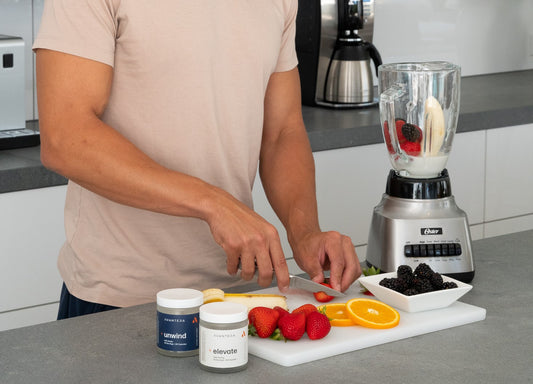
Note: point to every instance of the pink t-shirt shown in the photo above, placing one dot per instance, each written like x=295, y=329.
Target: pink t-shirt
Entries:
x=188, y=90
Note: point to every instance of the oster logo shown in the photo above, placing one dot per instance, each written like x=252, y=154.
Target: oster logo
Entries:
x=430, y=231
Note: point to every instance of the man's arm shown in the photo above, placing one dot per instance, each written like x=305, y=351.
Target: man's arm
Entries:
x=288, y=176
x=72, y=95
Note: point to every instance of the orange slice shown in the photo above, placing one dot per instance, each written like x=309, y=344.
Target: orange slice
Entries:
x=372, y=313
x=336, y=313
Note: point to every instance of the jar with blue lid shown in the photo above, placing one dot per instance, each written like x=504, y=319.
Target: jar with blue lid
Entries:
x=178, y=321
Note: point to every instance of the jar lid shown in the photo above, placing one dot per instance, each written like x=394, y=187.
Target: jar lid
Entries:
x=223, y=312
x=180, y=298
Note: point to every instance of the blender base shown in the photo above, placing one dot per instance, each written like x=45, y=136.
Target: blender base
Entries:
x=411, y=231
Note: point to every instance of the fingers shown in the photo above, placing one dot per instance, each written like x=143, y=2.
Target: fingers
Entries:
x=341, y=259
x=279, y=264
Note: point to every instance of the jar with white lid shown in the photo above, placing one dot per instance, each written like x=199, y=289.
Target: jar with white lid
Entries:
x=178, y=321
x=223, y=337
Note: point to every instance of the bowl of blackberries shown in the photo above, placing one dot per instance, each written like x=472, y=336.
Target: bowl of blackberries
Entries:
x=417, y=290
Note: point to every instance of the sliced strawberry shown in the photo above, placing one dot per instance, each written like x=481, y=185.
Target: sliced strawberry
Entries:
x=317, y=325
x=322, y=296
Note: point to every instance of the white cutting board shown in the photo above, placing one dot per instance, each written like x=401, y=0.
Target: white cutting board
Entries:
x=347, y=339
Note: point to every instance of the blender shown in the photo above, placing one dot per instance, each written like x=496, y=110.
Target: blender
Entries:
x=417, y=220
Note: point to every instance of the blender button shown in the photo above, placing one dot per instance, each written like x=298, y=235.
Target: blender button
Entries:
x=431, y=249
x=438, y=250
x=458, y=249
x=423, y=250
x=445, y=250
x=408, y=250
x=416, y=250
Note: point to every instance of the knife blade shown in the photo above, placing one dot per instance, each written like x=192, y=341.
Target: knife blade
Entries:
x=311, y=286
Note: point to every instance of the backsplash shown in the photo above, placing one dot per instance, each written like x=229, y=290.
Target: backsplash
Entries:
x=482, y=36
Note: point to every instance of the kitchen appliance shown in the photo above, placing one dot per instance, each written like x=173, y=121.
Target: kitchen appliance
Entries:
x=13, y=131
x=417, y=220
x=335, y=50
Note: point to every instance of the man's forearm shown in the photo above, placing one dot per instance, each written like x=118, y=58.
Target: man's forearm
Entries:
x=288, y=175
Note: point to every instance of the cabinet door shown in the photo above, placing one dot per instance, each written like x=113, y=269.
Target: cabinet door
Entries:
x=509, y=180
x=31, y=228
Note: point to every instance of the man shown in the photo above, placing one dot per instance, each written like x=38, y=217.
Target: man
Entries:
x=159, y=114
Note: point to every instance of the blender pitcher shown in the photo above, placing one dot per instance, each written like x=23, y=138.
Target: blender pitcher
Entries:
x=419, y=107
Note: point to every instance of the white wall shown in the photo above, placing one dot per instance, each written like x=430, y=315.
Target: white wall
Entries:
x=482, y=36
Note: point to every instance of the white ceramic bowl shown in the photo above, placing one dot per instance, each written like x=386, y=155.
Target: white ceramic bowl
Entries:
x=415, y=303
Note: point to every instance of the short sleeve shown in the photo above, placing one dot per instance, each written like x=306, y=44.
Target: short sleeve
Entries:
x=287, y=59
x=85, y=28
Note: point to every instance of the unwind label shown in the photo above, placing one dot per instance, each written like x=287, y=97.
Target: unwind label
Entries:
x=177, y=333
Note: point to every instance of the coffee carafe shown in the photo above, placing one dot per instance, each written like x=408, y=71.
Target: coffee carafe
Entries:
x=335, y=52
x=349, y=79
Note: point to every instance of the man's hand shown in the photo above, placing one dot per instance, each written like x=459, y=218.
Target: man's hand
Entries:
x=321, y=251
x=249, y=241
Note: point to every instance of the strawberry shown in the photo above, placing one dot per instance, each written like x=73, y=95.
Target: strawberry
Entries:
x=386, y=136
x=281, y=311
x=399, y=124
x=306, y=309
x=292, y=326
x=264, y=320
x=322, y=296
x=412, y=149
x=317, y=325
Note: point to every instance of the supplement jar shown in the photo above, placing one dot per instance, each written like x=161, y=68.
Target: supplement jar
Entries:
x=178, y=321
x=223, y=337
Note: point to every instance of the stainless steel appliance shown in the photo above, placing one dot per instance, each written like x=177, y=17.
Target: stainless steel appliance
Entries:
x=13, y=131
x=335, y=51
x=417, y=220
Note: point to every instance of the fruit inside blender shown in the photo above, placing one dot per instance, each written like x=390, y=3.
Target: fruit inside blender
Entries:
x=418, y=152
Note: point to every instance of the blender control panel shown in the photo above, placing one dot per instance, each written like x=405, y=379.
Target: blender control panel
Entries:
x=433, y=249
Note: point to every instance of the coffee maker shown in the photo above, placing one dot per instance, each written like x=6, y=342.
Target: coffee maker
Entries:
x=13, y=130
x=417, y=220
x=335, y=51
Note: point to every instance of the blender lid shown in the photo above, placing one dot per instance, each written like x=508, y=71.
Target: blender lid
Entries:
x=411, y=188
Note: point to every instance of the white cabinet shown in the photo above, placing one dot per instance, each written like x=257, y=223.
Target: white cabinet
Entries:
x=31, y=227
x=509, y=176
x=509, y=197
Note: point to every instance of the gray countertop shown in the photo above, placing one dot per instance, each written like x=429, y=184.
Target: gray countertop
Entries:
x=487, y=101
x=119, y=346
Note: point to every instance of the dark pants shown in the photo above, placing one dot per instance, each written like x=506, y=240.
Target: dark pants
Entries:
x=71, y=306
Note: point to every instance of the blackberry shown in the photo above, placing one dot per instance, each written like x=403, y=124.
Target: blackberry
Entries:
x=449, y=285
x=410, y=292
x=387, y=282
x=422, y=285
x=411, y=132
x=423, y=271
x=436, y=281
x=394, y=283
x=404, y=270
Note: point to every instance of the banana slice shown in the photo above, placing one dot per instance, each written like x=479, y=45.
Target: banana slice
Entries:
x=212, y=295
x=434, y=126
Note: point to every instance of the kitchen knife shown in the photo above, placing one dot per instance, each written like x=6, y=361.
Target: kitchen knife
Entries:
x=311, y=286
